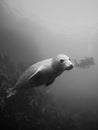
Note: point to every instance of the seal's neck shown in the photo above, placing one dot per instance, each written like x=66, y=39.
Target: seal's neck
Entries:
x=57, y=69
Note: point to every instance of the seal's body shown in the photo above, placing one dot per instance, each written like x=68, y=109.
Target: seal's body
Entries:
x=43, y=72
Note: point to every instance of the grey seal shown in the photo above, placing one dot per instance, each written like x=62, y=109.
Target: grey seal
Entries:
x=42, y=73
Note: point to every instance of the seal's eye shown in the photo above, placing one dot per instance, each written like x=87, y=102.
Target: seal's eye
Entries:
x=61, y=60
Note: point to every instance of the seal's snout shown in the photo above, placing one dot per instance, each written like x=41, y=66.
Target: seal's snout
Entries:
x=71, y=66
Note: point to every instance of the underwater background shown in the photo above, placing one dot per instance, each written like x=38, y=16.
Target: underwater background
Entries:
x=31, y=31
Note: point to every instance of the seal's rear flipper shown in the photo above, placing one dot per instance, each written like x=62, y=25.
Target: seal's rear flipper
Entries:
x=10, y=92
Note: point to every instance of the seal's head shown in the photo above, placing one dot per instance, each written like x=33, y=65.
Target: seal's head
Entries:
x=62, y=62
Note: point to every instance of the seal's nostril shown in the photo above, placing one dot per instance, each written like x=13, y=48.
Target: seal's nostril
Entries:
x=69, y=67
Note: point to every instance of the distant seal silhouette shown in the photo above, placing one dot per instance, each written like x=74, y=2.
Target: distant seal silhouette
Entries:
x=42, y=73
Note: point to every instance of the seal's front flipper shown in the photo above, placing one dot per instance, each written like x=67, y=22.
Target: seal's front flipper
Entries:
x=47, y=84
x=37, y=74
x=38, y=78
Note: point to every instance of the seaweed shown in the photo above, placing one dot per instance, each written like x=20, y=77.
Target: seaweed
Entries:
x=36, y=108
